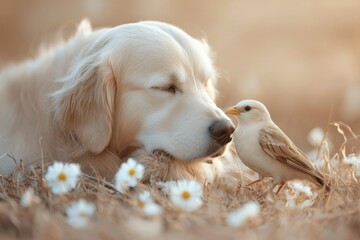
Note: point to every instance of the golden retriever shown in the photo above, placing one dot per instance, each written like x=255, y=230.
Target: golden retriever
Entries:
x=143, y=89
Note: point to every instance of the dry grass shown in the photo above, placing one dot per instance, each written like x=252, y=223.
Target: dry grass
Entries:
x=333, y=216
x=298, y=58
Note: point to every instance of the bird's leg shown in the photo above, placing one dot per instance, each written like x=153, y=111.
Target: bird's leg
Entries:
x=256, y=181
x=268, y=191
x=271, y=190
x=280, y=188
x=252, y=183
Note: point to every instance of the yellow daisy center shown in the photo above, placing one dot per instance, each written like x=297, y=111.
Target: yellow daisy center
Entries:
x=132, y=172
x=140, y=204
x=185, y=195
x=62, y=177
x=301, y=198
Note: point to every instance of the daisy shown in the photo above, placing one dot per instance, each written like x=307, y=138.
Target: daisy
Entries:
x=299, y=195
x=186, y=195
x=165, y=186
x=353, y=160
x=29, y=198
x=62, y=177
x=319, y=156
x=315, y=136
x=129, y=174
x=121, y=185
x=243, y=214
x=79, y=213
x=146, y=203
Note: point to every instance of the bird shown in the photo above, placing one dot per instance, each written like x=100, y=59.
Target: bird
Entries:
x=265, y=148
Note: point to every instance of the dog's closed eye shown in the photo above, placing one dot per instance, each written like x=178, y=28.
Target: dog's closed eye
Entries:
x=172, y=88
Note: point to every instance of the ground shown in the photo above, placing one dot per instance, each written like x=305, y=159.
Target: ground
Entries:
x=334, y=215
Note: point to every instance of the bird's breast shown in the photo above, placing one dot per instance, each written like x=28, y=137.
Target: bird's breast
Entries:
x=249, y=149
x=247, y=143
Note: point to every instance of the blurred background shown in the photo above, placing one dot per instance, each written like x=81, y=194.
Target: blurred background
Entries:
x=301, y=58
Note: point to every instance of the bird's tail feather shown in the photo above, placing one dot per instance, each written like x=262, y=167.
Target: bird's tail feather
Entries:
x=321, y=182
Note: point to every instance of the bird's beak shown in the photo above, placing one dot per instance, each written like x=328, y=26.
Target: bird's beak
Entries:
x=232, y=111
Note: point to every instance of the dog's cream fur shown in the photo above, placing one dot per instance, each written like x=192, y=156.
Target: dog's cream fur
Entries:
x=98, y=96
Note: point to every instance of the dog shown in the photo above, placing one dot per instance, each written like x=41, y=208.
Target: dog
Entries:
x=144, y=90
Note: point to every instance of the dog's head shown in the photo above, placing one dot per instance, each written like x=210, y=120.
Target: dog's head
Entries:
x=147, y=82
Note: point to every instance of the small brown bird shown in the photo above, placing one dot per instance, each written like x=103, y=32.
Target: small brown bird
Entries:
x=264, y=148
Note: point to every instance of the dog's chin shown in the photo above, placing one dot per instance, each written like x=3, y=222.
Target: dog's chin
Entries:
x=163, y=154
x=218, y=152
x=166, y=155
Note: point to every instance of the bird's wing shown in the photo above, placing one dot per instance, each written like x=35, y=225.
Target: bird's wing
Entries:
x=278, y=146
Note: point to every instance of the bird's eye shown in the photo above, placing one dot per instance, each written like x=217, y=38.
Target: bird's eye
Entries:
x=247, y=108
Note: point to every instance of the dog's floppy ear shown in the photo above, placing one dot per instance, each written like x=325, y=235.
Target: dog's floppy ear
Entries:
x=84, y=105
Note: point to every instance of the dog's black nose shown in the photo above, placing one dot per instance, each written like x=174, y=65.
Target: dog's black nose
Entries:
x=221, y=131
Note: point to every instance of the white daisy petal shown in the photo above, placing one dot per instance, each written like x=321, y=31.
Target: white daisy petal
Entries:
x=145, y=196
x=121, y=186
x=352, y=159
x=300, y=187
x=238, y=217
x=62, y=177
x=165, y=186
x=316, y=136
x=131, y=162
x=128, y=175
x=29, y=198
x=79, y=213
x=139, y=171
x=299, y=195
x=152, y=209
x=186, y=195
x=146, y=204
